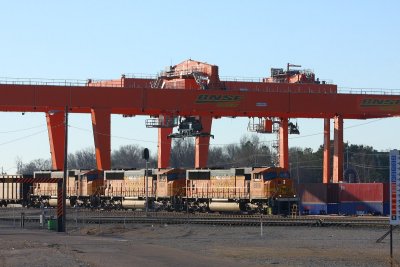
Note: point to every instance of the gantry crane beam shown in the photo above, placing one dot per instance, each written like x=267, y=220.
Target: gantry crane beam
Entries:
x=214, y=103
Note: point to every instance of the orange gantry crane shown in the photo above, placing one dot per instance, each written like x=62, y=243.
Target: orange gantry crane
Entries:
x=190, y=95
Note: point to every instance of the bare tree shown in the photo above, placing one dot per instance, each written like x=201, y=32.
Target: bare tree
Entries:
x=182, y=153
x=32, y=166
x=130, y=156
x=82, y=159
x=217, y=157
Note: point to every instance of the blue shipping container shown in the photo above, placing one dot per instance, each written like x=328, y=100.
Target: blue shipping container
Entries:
x=386, y=208
x=313, y=208
x=332, y=208
x=361, y=208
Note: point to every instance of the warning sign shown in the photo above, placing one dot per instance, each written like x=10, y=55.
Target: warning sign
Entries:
x=394, y=162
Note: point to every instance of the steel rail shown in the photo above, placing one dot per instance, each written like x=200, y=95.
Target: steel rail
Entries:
x=117, y=217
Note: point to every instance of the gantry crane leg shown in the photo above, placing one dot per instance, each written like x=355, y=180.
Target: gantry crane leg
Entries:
x=203, y=143
x=338, y=150
x=327, y=151
x=101, y=122
x=56, y=129
x=164, y=147
x=283, y=143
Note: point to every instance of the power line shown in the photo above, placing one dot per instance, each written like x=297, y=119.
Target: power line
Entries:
x=28, y=136
x=370, y=166
x=384, y=153
x=21, y=130
x=348, y=127
x=220, y=144
x=22, y=138
x=112, y=136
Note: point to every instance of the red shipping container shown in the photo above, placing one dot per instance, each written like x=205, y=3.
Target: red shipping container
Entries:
x=386, y=192
x=332, y=193
x=372, y=192
x=312, y=193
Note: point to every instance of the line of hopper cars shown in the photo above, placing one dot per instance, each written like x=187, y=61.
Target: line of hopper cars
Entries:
x=195, y=190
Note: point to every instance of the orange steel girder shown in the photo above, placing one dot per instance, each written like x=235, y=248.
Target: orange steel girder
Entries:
x=202, y=144
x=56, y=129
x=272, y=100
x=101, y=121
x=284, y=143
x=164, y=147
x=228, y=103
x=338, y=150
x=327, y=151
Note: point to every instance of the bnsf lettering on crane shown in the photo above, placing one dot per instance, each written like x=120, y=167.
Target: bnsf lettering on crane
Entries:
x=217, y=98
x=369, y=102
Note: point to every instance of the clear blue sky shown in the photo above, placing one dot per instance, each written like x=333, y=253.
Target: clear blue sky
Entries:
x=353, y=43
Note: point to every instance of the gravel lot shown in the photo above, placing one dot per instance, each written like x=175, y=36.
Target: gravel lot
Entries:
x=195, y=245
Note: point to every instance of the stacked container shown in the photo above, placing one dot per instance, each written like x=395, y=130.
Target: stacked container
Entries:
x=332, y=199
x=313, y=198
x=360, y=199
x=344, y=198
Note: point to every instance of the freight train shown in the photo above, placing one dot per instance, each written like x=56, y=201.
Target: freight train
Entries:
x=195, y=190
x=13, y=192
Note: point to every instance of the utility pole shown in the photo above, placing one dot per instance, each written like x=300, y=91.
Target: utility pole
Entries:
x=146, y=157
x=347, y=156
x=61, y=200
x=297, y=165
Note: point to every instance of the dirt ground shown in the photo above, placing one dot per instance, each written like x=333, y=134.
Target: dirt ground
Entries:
x=195, y=245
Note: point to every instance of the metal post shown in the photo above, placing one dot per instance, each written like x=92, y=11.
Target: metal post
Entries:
x=147, y=186
x=65, y=177
x=391, y=243
x=61, y=216
x=13, y=216
x=297, y=165
x=146, y=156
x=22, y=223
x=187, y=200
x=42, y=219
x=60, y=210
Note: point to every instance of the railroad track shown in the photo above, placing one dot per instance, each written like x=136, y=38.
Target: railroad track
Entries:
x=239, y=221
x=85, y=216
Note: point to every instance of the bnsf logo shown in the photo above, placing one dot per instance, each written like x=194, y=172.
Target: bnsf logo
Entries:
x=217, y=98
x=369, y=102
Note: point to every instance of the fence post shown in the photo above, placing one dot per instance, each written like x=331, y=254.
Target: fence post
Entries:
x=22, y=220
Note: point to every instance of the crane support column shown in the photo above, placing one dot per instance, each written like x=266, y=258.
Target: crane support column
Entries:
x=284, y=144
x=203, y=143
x=327, y=151
x=338, y=150
x=164, y=147
x=101, y=122
x=56, y=129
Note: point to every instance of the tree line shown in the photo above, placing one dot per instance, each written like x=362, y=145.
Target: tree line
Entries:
x=364, y=162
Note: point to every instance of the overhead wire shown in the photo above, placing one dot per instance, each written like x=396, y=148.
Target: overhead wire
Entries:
x=230, y=163
x=22, y=138
x=218, y=144
x=21, y=130
x=112, y=136
x=28, y=136
x=348, y=127
x=369, y=166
